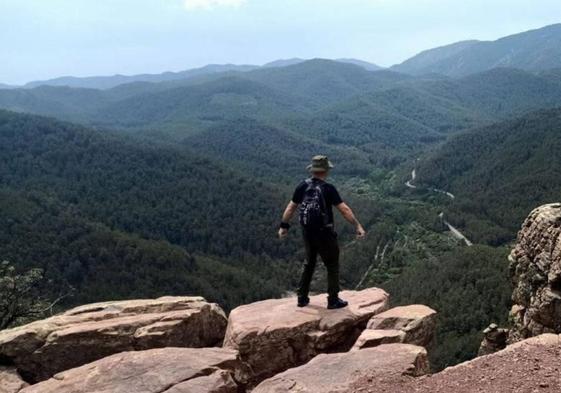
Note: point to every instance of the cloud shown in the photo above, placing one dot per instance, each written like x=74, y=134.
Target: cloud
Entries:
x=212, y=4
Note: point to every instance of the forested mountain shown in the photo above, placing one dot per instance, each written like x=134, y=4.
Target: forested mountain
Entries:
x=265, y=150
x=326, y=81
x=110, y=81
x=422, y=62
x=223, y=99
x=534, y=50
x=107, y=82
x=365, y=118
x=283, y=62
x=499, y=173
x=81, y=204
x=307, y=88
x=361, y=63
x=311, y=82
x=64, y=102
x=500, y=92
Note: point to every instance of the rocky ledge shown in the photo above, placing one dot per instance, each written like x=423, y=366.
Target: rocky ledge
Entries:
x=170, y=370
x=156, y=346
x=274, y=335
x=413, y=324
x=340, y=372
x=84, y=334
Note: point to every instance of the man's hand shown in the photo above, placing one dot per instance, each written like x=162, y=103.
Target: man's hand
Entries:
x=360, y=232
x=282, y=233
x=350, y=217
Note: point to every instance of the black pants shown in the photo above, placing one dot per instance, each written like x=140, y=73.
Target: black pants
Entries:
x=322, y=242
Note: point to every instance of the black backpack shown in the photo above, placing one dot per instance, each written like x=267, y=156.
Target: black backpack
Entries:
x=313, y=213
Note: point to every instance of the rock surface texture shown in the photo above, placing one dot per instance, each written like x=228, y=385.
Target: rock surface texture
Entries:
x=342, y=371
x=10, y=381
x=275, y=335
x=170, y=370
x=535, y=265
x=494, y=339
x=530, y=366
x=84, y=334
x=413, y=324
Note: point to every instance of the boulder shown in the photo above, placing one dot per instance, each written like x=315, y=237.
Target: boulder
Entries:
x=372, y=338
x=535, y=268
x=173, y=370
x=417, y=322
x=10, y=380
x=339, y=372
x=274, y=335
x=494, y=339
x=87, y=333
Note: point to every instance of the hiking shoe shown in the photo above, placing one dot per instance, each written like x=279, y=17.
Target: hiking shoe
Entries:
x=303, y=301
x=337, y=303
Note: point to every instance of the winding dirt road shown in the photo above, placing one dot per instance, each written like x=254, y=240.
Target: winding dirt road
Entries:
x=455, y=231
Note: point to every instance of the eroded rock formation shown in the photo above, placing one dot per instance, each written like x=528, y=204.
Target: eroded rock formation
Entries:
x=340, y=372
x=141, y=346
x=414, y=324
x=84, y=334
x=535, y=265
x=170, y=370
x=274, y=335
x=494, y=339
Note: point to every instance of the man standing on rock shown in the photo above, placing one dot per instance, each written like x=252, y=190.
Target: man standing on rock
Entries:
x=314, y=198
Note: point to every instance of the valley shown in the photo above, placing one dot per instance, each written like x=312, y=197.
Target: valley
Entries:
x=122, y=188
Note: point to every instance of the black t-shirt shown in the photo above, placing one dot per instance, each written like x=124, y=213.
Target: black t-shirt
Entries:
x=330, y=194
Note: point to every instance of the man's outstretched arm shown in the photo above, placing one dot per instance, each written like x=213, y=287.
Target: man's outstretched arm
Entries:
x=287, y=216
x=348, y=214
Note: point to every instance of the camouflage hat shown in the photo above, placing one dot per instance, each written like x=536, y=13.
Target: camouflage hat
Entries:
x=320, y=164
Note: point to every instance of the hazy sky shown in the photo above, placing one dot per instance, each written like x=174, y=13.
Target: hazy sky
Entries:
x=47, y=38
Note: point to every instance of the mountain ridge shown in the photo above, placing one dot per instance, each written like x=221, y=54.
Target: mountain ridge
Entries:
x=532, y=50
x=110, y=81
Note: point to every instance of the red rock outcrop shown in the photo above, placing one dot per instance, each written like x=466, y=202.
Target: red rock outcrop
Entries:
x=535, y=265
x=84, y=334
x=340, y=372
x=275, y=335
x=414, y=324
x=170, y=370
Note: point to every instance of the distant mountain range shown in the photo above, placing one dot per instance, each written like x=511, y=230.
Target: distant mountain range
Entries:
x=367, y=66
x=107, y=82
x=534, y=50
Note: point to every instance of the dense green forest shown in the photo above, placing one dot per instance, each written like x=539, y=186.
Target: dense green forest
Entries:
x=87, y=206
x=499, y=174
x=470, y=288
